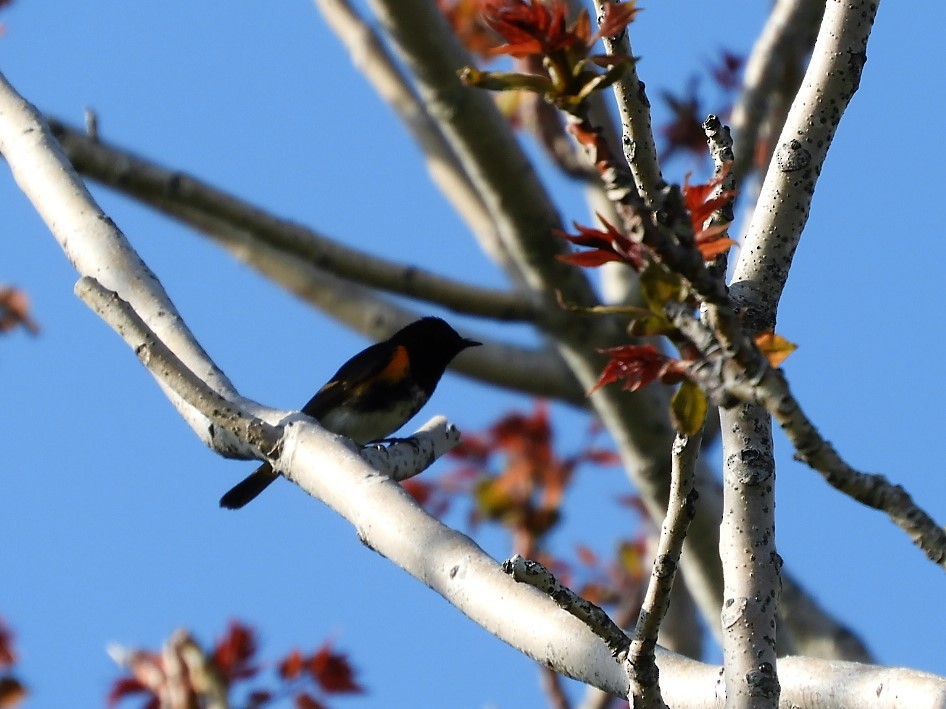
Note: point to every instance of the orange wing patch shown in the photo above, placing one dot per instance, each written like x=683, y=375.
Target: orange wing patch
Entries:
x=398, y=365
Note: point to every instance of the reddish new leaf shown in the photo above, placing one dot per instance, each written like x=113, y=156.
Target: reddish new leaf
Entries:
x=303, y=700
x=530, y=28
x=12, y=692
x=607, y=245
x=702, y=205
x=466, y=20
x=685, y=131
x=617, y=16
x=234, y=653
x=125, y=687
x=291, y=666
x=333, y=672
x=728, y=72
x=586, y=555
x=634, y=365
x=7, y=654
x=15, y=310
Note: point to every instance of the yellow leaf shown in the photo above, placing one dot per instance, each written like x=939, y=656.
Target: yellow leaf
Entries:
x=688, y=408
x=775, y=347
x=659, y=287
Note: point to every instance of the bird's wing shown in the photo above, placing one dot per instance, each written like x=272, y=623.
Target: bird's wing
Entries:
x=364, y=366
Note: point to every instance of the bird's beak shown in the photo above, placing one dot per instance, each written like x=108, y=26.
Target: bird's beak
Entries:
x=470, y=343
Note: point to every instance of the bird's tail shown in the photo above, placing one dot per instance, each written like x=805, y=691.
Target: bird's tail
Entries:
x=249, y=487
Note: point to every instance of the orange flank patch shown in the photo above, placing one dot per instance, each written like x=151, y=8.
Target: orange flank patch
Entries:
x=396, y=369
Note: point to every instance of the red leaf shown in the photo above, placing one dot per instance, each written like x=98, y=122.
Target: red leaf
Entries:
x=258, y=698
x=617, y=16
x=124, y=687
x=535, y=28
x=702, y=206
x=304, y=700
x=291, y=666
x=235, y=651
x=467, y=23
x=601, y=457
x=15, y=310
x=589, y=259
x=635, y=365
x=609, y=245
x=586, y=555
x=727, y=72
x=711, y=249
x=7, y=654
x=333, y=672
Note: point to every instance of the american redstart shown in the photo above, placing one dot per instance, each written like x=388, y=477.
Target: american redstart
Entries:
x=374, y=393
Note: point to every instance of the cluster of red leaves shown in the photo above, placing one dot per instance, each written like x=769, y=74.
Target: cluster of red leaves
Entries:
x=636, y=366
x=701, y=204
x=612, y=245
x=607, y=245
x=15, y=310
x=331, y=672
x=524, y=493
x=605, y=581
x=184, y=671
x=684, y=133
x=540, y=33
x=12, y=691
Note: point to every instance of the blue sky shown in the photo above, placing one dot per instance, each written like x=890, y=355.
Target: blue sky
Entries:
x=111, y=528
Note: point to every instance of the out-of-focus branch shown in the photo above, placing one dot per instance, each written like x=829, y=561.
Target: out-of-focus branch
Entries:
x=160, y=187
x=486, y=146
x=370, y=55
x=292, y=255
x=777, y=56
x=813, y=632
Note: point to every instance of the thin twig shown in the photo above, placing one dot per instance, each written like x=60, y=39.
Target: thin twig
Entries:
x=640, y=149
x=536, y=575
x=642, y=667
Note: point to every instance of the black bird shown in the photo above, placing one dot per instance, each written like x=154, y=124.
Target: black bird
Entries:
x=374, y=393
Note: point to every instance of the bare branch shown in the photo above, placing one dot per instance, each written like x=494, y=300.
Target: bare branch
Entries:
x=751, y=564
x=165, y=189
x=536, y=575
x=641, y=655
x=406, y=457
x=640, y=149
